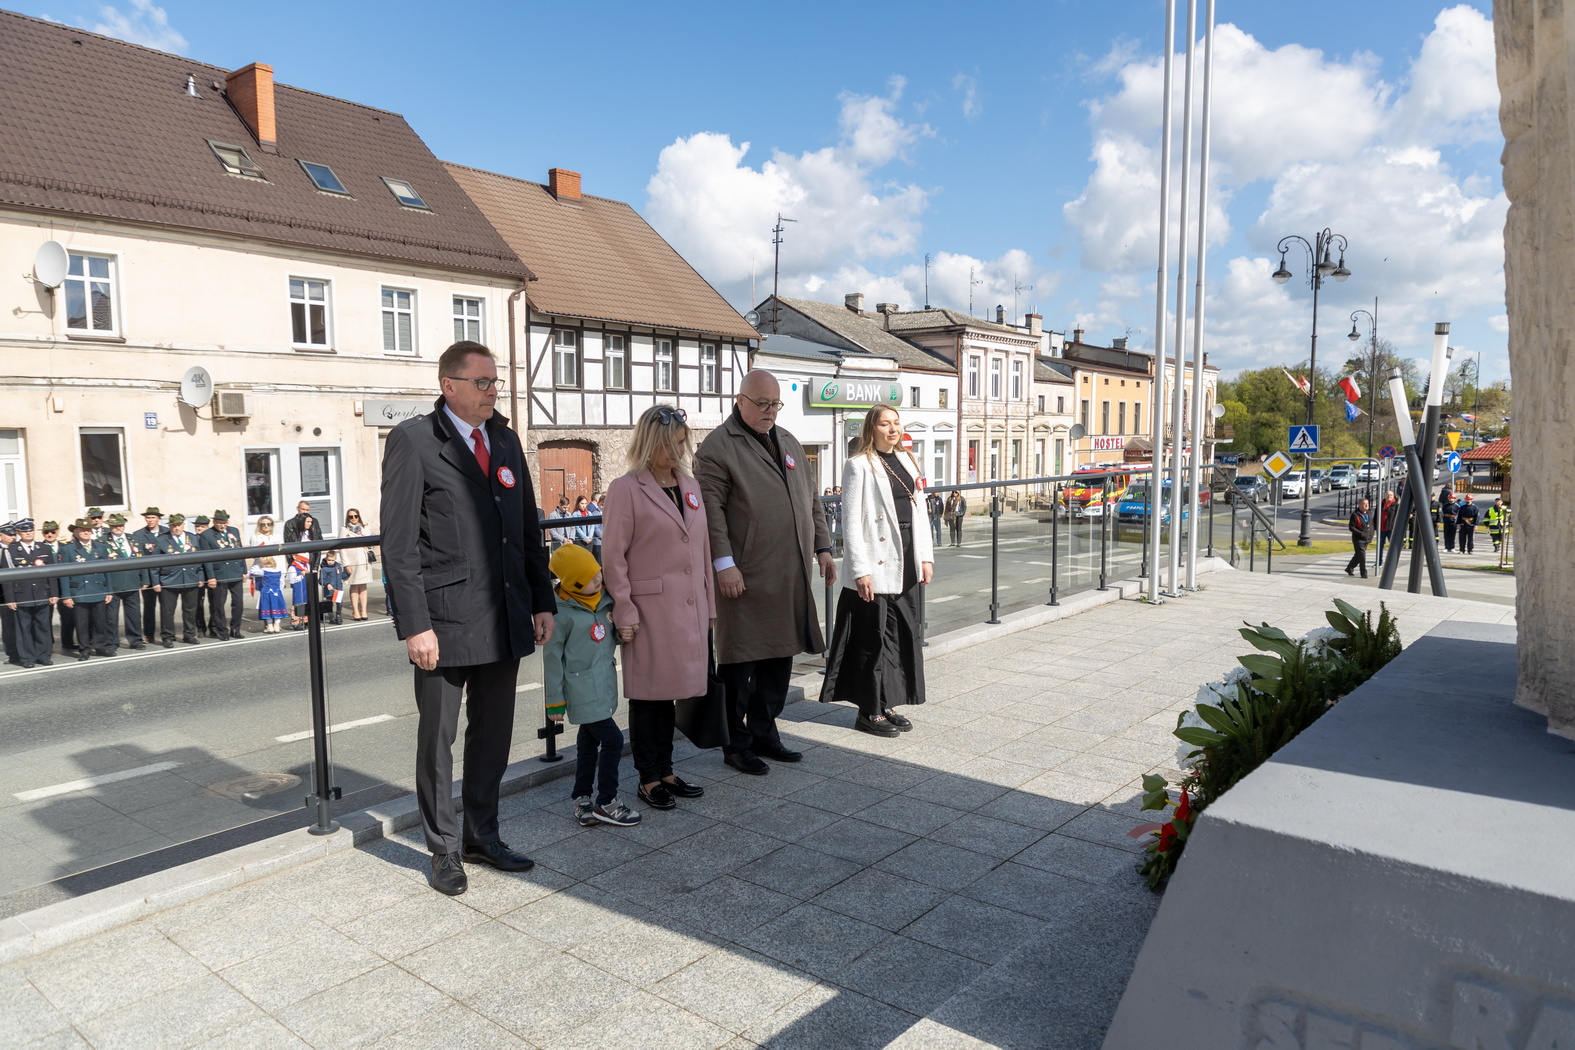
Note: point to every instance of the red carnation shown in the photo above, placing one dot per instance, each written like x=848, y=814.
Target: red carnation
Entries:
x=1167, y=837
x=1184, y=807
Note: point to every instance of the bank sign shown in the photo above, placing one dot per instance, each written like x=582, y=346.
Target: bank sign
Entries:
x=853, y=393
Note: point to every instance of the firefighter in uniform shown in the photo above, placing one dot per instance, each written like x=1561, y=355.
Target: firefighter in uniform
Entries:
x=145, y=543
x=179, y=584
x=30, y=602
x=229, y=576
x=51, y=533
x=8, y=615
x=88, y=595
x=127, y=585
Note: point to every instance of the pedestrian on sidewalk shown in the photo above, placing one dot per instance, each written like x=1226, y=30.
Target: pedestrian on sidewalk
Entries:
x=126, y=584
x=1361, y=526
x=956, y=511
x=29, y=603
x=331, y=576
x=88, y=596
x=657, y=547
x=1449, y=514
x=1466, y=516
x=768, y=536
x=875, y=661
x=471, y=596
x=1386, y=525
x=1497, y=516
x=580, y=681
x=935, y=509
x=269, y=578
x=358, y=562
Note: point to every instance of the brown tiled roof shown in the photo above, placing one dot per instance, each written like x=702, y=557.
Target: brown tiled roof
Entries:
x=1490, y=451
x=99, y=127
x=864, y=330
x=598, y=259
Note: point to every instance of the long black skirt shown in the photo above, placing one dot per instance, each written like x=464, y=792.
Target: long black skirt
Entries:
x=875, y=660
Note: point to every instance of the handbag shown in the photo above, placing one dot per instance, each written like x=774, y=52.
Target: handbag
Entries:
x=703, y=718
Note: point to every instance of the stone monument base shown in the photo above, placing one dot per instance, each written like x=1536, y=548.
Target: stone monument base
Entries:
x=1399, y=877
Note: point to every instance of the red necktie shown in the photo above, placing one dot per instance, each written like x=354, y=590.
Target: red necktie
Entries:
x=481, y=452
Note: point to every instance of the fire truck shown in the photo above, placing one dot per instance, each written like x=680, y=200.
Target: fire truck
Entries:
x=1080, y=499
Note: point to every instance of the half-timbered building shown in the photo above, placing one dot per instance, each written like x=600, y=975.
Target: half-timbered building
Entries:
x=615, y=322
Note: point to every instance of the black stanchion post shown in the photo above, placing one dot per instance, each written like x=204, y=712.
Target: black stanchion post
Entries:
x=1104, y=535
x=1233, y=536
x=1147, y=509
x=1252, y=544
x=324, y=793
x=995, y=556
x=549, y=734
x=1055, y=542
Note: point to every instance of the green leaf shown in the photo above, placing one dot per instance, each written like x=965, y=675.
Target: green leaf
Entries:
x=1352, y=613
x=1340, y=623
x=1197, y=736
x=1154, y=782
x=1262, y=666
x=1215, y=717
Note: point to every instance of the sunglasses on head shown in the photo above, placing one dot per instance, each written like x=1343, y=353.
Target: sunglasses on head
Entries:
x=668, y=416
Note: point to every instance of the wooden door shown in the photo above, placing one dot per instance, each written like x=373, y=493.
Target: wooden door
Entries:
x=565, y=469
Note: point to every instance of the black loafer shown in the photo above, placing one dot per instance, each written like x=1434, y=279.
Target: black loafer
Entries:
x=681, y=789
x=81, y=657
x=448, y=874
x=499, y=855
x=747, y=762
x=781, y=754
x=902, y=724
x=658, y=797
x=875, y=726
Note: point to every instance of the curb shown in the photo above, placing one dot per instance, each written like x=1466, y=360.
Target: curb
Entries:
x=55, y=925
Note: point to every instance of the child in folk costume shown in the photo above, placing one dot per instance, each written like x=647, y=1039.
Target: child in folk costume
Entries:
x=295, y=576
x=580, y=680
x=269, y=578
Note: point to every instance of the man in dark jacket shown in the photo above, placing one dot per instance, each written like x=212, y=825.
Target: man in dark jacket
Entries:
x=145, y=544
x=1466, y=517
x=127, y=584
x=229, y=578
x=1449, y=514
x=179, y=584
x=29, y=603
x=88, y=596
x=472, y=596
x=303, y=526
x=1362, y=530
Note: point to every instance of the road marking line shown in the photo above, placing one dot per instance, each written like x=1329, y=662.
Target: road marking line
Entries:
x=528, y=686
x=90, y=782
x=1042, y=563
x=1036, y=579
x=978, y=557
x=1002, y=587
x=290, y=738
x=948, y=598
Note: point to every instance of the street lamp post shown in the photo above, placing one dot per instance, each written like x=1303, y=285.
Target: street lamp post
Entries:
x=1319, y=267
x=1372, y=373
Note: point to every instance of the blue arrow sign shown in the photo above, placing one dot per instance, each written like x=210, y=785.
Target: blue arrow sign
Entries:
x=1304, y=439
x=1454, y=462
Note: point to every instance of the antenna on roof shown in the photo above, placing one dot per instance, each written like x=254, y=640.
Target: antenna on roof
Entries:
x=776, y=267
x=971, y=283
x=926, y=280
x=1018, y=287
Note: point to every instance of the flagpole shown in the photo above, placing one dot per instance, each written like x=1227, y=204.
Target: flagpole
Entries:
x=1194, y=466
x=1161, y=290
x=1181, y=307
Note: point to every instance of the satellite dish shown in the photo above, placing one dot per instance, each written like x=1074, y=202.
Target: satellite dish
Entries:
x=196, y=387
x=753, y=317
x=1077, y=431
x=49, y=265
x=1218, y=410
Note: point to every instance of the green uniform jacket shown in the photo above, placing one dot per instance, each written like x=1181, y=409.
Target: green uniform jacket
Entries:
x=92, y=587
x=130, y=579
x=578, y=665
x=228, y=538
x=181, y=576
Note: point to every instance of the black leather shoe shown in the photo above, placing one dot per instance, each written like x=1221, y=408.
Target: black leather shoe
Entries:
x=139, y=645
x=448, y=874
x=780, y=754
x=877, y=726
x=46, y=663
x=746, y=762
x=169, y=645
x=499, y=855
x=682, y=789
x=81, y=657
x=191, y=641
x=902, y=724
x=28, y=667
x=658, y=797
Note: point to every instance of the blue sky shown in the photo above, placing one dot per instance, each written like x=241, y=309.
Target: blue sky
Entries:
x=1016, y=140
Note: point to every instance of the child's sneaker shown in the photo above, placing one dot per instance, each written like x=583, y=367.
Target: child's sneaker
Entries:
x=583, y=811
x=616, y=813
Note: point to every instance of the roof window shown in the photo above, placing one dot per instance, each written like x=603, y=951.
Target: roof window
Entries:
x=235, y=160
x=323, y=177
x=405, y=193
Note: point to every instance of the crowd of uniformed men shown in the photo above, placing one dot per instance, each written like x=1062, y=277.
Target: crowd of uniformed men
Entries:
x=117, y=596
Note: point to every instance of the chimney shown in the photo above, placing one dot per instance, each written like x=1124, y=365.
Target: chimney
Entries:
x=1119, y=343
x=1000, y=314
x=1036, y=323
x=564, y=184
x=885, y=308
x=1077, y=335
x=250, y=90
x=854, y=301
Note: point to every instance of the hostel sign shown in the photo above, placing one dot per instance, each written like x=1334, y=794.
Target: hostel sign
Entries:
x=853, y=393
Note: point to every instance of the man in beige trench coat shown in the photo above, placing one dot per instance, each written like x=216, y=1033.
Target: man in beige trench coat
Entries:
x=768, y=530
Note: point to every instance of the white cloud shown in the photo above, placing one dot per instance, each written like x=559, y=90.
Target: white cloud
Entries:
x=143, y=23
x=969, y=86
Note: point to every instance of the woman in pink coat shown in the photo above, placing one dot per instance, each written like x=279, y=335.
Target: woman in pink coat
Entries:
x=656, y=553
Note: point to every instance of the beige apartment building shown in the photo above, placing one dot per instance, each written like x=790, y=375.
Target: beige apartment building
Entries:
x=298, y=261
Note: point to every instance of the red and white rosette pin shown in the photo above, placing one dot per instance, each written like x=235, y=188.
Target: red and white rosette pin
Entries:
x=788, y=459
x=693, y=501
x=506, y=477
x=598, y=632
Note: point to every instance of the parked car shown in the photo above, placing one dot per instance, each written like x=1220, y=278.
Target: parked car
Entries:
x=1320, y=480
x=1369, y=471
x=1249, y=488
x=1292, y=485
x=1342, y=476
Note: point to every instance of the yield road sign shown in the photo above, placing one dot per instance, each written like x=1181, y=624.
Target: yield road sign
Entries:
x=1453, y=462
x=1454, y=438
x=1304, y=439
x=1277, y=464
x=1387, y=452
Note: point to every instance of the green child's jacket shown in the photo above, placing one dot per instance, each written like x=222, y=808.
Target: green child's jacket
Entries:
x=579, y=672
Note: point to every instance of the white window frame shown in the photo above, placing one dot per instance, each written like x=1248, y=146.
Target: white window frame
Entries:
x=664, y=379
x=913, y=394
x=942, y=397
x=1137, y=417
x=464, y=321
x=566, y=358
x=125, y=471
x=710, y=368
x=615, y=358
x=973, y=375
x=276, y=489
x=86, y=281
x=942, y=464
x=995, y=379
x=13, y=477
x=1017, y=380
x=306, y=303
x=394, y=313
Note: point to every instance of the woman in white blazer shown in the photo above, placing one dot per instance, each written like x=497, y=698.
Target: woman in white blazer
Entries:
x=875, y=659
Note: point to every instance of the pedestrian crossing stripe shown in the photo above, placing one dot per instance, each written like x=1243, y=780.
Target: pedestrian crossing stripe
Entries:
x=1304, y=439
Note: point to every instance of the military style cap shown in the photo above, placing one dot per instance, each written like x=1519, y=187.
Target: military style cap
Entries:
x=81, y=525
x=177, y=519
x=95, y=512
x=8, y=529
x=116, y=520
x=24, y=525
x=221, y=515
x=51, y=526
x=201, y=519
x=153, y=511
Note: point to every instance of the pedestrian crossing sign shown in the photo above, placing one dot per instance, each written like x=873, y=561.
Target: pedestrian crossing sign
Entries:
x=1277, y=464
x=1304, y=439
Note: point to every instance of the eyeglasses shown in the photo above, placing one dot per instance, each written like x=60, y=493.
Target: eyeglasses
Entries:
x=265, y=523
x=668, y=416
x=764, y=406
x=483, y=384
x=357, y=517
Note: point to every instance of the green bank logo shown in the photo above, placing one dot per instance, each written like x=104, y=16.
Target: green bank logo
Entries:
x=829, y=392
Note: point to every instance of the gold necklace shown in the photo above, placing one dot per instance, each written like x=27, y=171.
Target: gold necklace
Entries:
x=907, y=489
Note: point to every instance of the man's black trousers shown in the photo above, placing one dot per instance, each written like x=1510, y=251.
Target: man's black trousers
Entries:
x=756, y=693
x=187, y=596
x=488, y=693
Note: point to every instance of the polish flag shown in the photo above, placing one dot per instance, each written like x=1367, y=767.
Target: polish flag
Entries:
x=1300, y=381
x=1352, y=391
